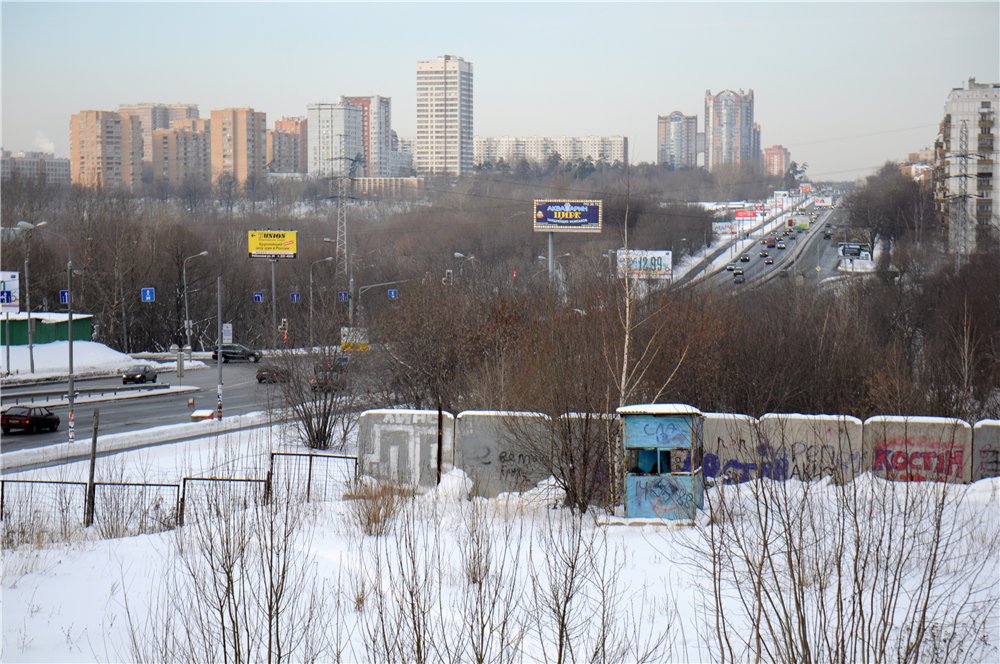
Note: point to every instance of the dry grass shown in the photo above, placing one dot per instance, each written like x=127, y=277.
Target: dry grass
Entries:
x=375, y=505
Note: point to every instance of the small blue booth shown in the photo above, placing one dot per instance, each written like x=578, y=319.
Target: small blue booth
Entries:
x=663, y=453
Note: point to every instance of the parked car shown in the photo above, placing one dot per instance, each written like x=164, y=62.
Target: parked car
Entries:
x=327, y=380
x=271, y=374
x=28, y=418
x=237, y=352
x=138, y=373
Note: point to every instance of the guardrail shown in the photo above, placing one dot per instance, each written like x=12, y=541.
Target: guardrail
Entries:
x=30, y=397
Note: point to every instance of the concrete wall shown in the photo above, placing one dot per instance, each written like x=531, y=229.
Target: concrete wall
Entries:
x=986, y=449
x=401, y=446
x=731, y=443
x=497, y=450
x=808, y=447
x=919, y=448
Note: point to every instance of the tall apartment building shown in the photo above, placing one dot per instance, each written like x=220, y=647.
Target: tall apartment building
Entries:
x=677, y=140
x=239, y=144
x=105, y=150
x=376, y=134
x=777, y=159
x=731, y=136
x=288, y=146
x=444, y=116
x=335, y=143
x=157, y=116
x=34, y=165
x=965, y=172
x=183, y=153
x=538, y=149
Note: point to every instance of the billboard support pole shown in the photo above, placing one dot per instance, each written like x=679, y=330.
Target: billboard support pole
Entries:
x=552, y=258
x=274, y=306
x=218, y=354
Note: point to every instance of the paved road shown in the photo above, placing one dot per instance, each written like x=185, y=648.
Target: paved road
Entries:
x=242, y=394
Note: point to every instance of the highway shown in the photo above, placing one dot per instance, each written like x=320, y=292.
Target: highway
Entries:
x=241, y=394
x=808, y=249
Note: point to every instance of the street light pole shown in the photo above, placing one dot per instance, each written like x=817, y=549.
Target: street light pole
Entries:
x=322, y=260
x=71, y=397
x=28, y=227
x=187, y=315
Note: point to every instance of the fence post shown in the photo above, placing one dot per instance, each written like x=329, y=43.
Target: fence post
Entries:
x=88, y=504
x=180, y=503
x=309, y=478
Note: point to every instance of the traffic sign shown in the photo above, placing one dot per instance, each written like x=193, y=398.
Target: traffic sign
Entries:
x=258, y=296
x=64, y=296
x=343, y=296
x=6, y=297
x=393, y=294
x=148, y=294
x=227, y=333
x=295, y=298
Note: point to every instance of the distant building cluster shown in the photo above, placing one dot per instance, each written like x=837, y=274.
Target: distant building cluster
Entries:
x=34, y=165
x=965, y=173
x=730, y=136
x=540, y=149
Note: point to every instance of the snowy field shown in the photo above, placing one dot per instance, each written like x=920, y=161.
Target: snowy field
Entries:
x=510, y=579
x=89, y=357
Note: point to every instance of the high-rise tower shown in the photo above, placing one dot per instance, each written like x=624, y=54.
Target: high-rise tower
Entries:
x=731, y=136
x=444, y=116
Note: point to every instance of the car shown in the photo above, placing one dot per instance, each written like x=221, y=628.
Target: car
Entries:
x=731, y=267
x=272, y=374
x=327, y=380
x=138, y=373
x=768, y=261
x=764, y=254
x=781, y=245
x=237, y=352
x=745, y=258
x=739, y=279
x=738, y=271
x=28, y=418
x=827, y=236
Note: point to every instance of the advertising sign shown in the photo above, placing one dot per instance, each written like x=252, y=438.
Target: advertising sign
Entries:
x=10, y=291
x=645, y=264
x=823, y=201
x=723, y=228
x=780, y=194
x=353, y=339
x=272, y=244
x=568, y=216
x=745, y=214
x=805, y=188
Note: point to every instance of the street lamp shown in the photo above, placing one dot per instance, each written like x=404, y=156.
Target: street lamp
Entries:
x=71, y=397
x=187, y=316
x=322, y=260
x=28, y=227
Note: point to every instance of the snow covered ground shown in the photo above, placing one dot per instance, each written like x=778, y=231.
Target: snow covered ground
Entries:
x=89, y=357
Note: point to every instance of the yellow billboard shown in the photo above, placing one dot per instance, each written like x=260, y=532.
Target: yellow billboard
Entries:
x=272, y=244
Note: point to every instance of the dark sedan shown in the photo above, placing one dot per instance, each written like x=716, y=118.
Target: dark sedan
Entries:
x=139, y=373
x=268, y=374
x=29, y=418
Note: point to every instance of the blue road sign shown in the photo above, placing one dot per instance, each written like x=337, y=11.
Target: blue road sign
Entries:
x=343, y=296
x=295, y=298
x=64, y=296
x=6, y=297
x=393, y=294
x=258, y=296
x=148, y=294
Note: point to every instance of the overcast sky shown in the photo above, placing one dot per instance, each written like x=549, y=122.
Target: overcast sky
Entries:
x=843, y=86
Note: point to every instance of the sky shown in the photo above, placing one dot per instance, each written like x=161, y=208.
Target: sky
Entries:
x=843, y=86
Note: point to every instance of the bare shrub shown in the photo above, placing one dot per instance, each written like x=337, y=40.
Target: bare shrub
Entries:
x=375, y=505
x=867, y=570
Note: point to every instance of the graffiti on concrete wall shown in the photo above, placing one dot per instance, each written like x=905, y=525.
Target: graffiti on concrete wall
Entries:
x=919, y=449
x=662, y=496
x=986, y=449
x=401, y=446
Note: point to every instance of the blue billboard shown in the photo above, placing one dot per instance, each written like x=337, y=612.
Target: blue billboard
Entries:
x=568, y=216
